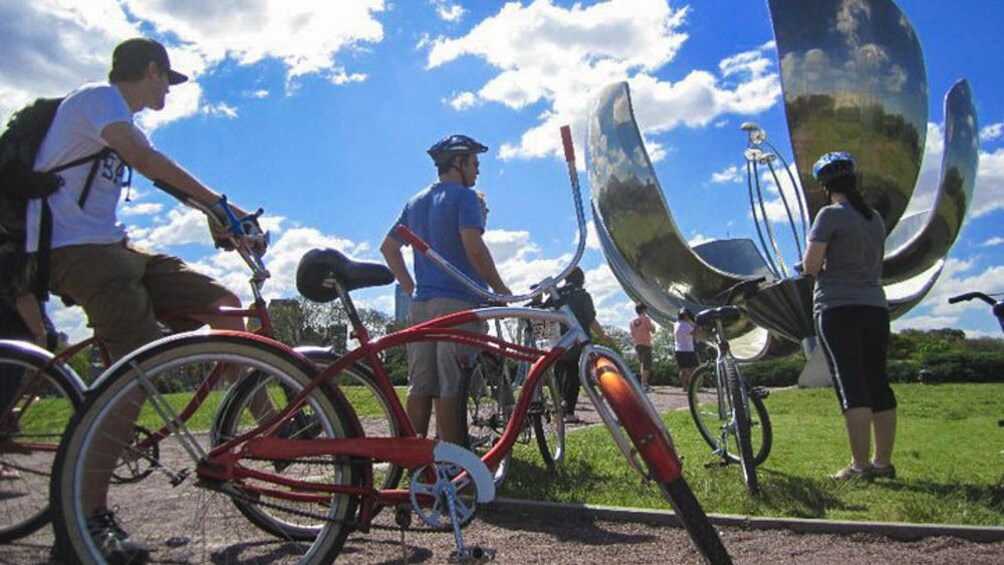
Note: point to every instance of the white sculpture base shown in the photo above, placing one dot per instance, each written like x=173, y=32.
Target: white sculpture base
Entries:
x=816, y=372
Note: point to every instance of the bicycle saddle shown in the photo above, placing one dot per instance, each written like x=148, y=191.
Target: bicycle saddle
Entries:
x=724, y=313
x=320, y=269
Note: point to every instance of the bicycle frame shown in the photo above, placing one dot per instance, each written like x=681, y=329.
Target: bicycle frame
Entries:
x=412, y=452
x=60, y=361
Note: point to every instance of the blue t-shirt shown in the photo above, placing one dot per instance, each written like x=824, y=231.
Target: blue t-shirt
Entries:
x=438, y=214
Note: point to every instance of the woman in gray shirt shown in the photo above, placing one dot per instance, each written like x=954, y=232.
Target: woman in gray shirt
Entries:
x=851, y=314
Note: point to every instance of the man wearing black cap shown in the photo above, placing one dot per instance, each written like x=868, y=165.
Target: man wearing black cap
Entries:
x=91, y=260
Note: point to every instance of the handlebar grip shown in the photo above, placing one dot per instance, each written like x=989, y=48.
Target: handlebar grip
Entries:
x=958, y=298
x=566, y=142
x=412, y=238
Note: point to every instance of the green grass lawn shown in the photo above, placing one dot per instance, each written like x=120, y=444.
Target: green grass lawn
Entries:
x=949, y=456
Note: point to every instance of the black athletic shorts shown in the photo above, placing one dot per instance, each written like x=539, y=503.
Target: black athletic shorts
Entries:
x=855, y=341
x=686, y=359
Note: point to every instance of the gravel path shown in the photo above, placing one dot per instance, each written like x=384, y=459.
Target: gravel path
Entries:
x=560, y=535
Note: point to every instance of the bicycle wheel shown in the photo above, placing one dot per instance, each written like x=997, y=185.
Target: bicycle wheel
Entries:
x=486, y=404
x=696, y=522
x=175, y=387
x=35, y=407
x=704, y=397
x=743, y=425
x=372, y=408
x=548, y=418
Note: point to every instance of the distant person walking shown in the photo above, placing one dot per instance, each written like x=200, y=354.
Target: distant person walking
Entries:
x=684, y=346
x=844, y=253
x=567, y=368
x=642, y=329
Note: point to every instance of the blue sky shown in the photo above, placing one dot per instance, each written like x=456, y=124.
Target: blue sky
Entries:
x=321, y=112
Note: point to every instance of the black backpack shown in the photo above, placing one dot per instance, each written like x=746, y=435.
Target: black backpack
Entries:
x=19, y=182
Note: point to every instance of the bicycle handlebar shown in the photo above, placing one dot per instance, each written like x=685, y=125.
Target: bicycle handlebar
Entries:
x=548, y=284
x=235, y=226
x=970, y=296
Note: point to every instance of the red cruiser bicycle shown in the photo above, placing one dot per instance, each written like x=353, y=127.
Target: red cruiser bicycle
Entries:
x=306, y=484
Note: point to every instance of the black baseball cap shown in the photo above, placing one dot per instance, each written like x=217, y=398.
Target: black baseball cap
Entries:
x=133, y=55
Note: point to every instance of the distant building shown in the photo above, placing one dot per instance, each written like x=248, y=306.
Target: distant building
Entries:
x=402, y=304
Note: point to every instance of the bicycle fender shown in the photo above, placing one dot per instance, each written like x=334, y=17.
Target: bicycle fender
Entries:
x=652, y=444
x=470, y=462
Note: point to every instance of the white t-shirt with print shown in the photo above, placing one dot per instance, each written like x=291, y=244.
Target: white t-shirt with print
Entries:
x=76, y=132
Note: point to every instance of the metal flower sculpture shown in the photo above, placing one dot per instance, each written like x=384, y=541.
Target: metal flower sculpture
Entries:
x=853, y=79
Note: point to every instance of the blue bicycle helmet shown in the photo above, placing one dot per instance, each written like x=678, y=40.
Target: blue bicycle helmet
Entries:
x=832, y=165
x=454, y=145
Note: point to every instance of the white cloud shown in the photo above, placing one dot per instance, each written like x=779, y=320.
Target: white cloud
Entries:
x=75, y=39
x=463, y=101
x=993, y=241
x=730, y=174
x=222, y=109
x=448, y=11
x=142, y=209
x=991, y=132
x=557, y=56
x=989, y=191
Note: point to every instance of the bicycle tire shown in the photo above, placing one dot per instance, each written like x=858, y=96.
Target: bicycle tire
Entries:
x=709, y=423
x=548, y=418
x=360, y=388
x=29, y=438
x=696, y=522
x=169, y=522
x=486, y=404
x=741, y=412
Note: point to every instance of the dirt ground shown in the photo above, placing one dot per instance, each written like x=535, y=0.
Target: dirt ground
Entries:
x=561, y=535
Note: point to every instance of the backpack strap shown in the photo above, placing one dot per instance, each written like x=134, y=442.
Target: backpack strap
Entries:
x=41, y=290
x=41, y=283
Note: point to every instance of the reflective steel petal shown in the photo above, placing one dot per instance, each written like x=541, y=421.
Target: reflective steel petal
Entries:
x=853, y=78
x=932, y=240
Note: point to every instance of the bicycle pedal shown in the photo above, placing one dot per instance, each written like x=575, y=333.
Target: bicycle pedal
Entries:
x=473, y=554
x=759, y=392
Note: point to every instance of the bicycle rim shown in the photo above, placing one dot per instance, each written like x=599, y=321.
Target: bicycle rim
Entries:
x=696, y=522
x=487, y=403
x=702, y=398
x=743, y=428
x=34, y=412
x=172, y=511
x=548, y=420
x=372, y=408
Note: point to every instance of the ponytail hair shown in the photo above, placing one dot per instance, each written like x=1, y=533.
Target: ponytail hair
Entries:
x=848, y=186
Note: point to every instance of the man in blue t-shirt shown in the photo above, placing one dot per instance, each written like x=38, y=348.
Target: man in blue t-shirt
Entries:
x=448, y=216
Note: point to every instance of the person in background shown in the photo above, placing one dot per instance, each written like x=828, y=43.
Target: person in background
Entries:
x=566, y=369
x=844, y=254
x=642, y=329
x=684, y=347
x=449, y=216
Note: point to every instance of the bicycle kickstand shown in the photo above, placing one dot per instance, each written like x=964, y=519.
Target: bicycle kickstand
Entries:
x=464, y=554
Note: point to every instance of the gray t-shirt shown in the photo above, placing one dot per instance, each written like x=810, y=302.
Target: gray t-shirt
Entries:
x=852, y=268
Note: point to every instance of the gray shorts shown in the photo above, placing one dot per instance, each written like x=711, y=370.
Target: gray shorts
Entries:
x=434, y=368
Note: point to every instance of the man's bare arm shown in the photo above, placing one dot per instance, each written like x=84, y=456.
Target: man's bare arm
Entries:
x=481, y=259
x=391, y=249
x=133, y=147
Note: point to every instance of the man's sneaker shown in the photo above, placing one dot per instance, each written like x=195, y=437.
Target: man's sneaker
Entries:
x=851, y=472
x=115, y=544
x=884, y=472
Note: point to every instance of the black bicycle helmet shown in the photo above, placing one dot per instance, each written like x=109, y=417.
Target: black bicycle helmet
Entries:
x=684, y=313
x=833, y=165
x=452, y=146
